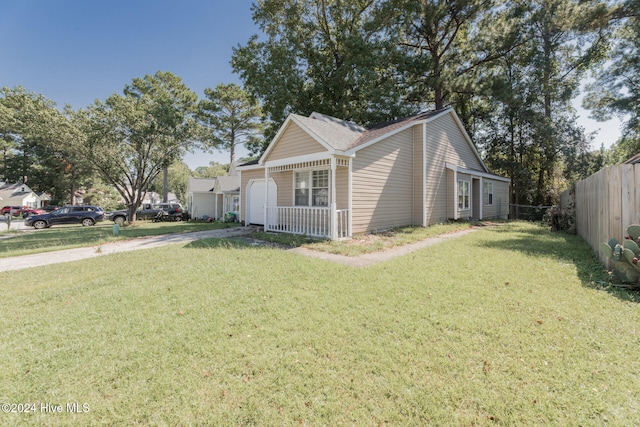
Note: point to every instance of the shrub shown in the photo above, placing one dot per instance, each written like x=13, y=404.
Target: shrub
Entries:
x=625, y=256
x=560, y=219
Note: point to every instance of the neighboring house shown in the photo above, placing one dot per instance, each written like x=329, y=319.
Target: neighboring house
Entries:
x=20, y=195
x=214, y=197
x=227, y=195
x=44, y=198
x=201, y=201
x=332, y=178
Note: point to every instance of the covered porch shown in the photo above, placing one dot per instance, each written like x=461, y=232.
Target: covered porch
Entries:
x=314, y=197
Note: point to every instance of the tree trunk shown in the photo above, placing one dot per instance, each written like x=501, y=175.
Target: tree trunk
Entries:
x=165, y=185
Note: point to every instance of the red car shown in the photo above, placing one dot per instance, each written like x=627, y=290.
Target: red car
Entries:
x=15, y=210
x=28, y=212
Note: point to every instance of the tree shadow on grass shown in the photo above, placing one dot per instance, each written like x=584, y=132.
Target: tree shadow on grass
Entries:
x=569, y=248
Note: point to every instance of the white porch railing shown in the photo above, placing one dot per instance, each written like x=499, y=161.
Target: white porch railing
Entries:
x=312, y=221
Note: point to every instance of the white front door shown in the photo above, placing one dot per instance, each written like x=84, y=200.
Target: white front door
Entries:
x=255, y=200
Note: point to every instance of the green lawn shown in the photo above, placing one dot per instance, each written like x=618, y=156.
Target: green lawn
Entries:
x=74, y=236
x=510, y=325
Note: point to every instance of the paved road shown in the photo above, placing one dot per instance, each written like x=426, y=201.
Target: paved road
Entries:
x=67, y=255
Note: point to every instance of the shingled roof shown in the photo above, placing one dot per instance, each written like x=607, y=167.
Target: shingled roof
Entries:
x=344, y=135
x=376, y=131
x=633, y=160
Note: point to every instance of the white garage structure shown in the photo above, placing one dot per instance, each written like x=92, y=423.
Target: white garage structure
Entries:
x=255, y=203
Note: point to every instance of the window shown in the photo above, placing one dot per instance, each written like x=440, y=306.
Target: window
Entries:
x=487, y=191
x=312, y=188
x=234, y=203
x=302, y=189
x=463, y=195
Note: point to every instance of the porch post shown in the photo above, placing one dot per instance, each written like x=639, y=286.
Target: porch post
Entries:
x=481, y=197
x=266, y=198
x=455, y=194
x=334, y=214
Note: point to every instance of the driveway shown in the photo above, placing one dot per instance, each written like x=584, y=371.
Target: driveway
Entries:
x=16, y=224
x=67, y=255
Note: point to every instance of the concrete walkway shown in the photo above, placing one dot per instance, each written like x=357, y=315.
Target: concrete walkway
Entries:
x=67, y=255
x=374, y=258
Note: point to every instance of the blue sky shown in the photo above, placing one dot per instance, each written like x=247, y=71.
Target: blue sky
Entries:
x=76, y=51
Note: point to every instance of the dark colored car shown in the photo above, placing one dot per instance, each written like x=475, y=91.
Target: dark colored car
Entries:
x=156, y=211
x=85, y=215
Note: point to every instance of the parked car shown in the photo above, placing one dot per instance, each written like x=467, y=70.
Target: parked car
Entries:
x=85, y=215
x=155, y=211
x=15, y=210
x=28, y=212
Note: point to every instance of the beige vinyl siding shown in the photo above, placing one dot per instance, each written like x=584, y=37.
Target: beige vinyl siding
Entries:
x=445, y=144
x=284, y=181
x=383, y=184
x=294, y=142
x=342, y=188
x=450, y=193
x=245, y=177
x=500, y=207
x=418, y=176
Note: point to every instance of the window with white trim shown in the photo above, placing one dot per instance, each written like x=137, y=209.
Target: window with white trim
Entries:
x=311, y=188
x=487, y=192
x=464, y=195
x=232, y=203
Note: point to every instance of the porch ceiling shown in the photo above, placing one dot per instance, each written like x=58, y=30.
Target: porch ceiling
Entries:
x=309, y=164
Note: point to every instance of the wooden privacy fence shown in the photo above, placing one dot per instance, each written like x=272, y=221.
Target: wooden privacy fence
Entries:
x=605, y=204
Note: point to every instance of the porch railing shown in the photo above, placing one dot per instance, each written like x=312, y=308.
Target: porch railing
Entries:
x=312, y=221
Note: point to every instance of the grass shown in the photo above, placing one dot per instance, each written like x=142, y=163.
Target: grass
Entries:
x=74, y=236
x=509, y=325
x=367, y=243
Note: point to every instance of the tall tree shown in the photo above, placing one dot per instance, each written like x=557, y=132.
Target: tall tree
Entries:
x=534, y=135
x=36, y=145
x=130, y=138
x=331, y=56
x=444, y=46
x=230, y=116
x=213, y=170
x=616, y=90
x=177, y=179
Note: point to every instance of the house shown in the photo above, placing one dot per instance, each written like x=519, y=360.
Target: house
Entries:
x=227, y=194
x=326, y=177
x=213, y=197
x=200, y=199
x=20, y=194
